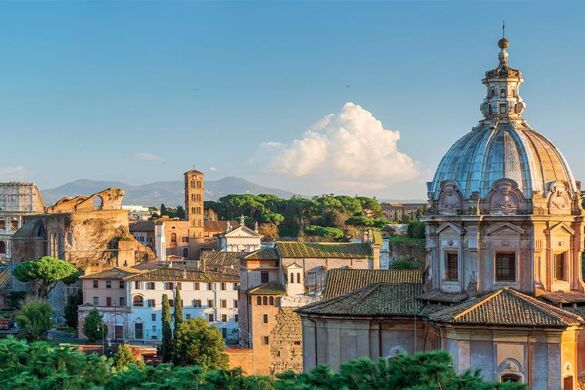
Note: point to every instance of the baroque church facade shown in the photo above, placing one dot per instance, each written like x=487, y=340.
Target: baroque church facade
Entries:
x=503, y=288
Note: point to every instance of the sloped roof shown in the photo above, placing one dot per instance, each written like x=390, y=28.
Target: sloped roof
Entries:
x=507, y=307
x=340, y=250
x=242, y=230
x=439, y=296
x=263, y=254
x=112, y=273
x=219, y=226
x=272, y=288
x=564, y=297
x=219, y=260
x=182, y=275
x=343, y=280
x=378, y=299
x=142, y=226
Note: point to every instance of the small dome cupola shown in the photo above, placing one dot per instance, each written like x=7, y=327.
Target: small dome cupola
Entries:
x=503, y=101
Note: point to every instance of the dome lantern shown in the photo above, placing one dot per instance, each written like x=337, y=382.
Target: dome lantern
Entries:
x=503, y=100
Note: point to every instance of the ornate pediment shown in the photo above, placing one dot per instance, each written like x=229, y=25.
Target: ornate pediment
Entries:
x=504, y=228
x=450, y=198
x=559, y=198
x=562, y=226
x=505, y=198
x=456, y=228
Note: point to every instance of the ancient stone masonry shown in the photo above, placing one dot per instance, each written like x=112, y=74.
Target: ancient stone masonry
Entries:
x=286, y=347
x=84, y=230
x=16, y=201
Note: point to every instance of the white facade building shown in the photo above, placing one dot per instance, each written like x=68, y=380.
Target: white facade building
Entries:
x=241, y=239
x=132, y=304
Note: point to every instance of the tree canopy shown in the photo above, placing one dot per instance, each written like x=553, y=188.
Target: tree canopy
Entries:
x=198, y=343
x=293, y=216
x=34, y=320
x=167, y=333
x=44, y=273
x=39, y=365
x=94, y=327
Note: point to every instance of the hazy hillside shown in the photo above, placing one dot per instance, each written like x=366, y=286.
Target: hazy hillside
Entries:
x=168, y=192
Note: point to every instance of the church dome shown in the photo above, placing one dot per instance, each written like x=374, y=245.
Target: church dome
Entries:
x=502, y=146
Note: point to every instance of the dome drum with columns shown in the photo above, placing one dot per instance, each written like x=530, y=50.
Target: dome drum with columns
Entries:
x=504, y=208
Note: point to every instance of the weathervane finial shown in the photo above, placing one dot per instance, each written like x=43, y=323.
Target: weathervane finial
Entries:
x=503, y=29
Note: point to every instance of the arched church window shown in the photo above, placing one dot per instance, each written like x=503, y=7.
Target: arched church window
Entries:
x=185, y=252
x=298, y=277
x=259, y=300
x=492, y=93
x=265, y=300
x=292, y=277
x=502, y=93
x=272, y=300
x=511, y=378
x=138, y=301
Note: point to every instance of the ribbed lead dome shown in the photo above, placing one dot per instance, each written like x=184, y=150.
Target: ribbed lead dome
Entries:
x=502, y=145
x=508, y=150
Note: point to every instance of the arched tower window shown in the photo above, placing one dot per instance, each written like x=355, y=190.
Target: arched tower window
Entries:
x=138, y=301
x=2, y=247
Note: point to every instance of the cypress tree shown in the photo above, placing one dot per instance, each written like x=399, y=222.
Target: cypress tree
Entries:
x=178, y=315
x=167, y=333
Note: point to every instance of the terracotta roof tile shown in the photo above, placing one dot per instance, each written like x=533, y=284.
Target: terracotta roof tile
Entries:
x=112, y=273
x=343, y=280
x=342, y=250
x=439, y=296
x=263, y=254
x=379, y=299
x=183, y=275
x=218, y=260
x=562, y=297
x=507, y=307
x=272, y=288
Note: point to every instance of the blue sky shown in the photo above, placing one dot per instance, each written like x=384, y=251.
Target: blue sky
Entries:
x=142, y=91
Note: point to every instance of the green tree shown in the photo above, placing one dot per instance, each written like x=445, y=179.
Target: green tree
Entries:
x=44, y=273
x=198, y=343
x=93, y=327
x=34, y=320
x=40, y=365
x=178, y=313
x=167, y=333
x=70, y=309
x=163, y=210
x=416, y=229
x=180, y=212
x=404, y=264
x=325, y=232
x=123, y=357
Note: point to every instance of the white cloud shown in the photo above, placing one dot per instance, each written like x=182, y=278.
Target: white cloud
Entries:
x=213, y=169
x=348, y=152
x=145, y=156
x=14, y=173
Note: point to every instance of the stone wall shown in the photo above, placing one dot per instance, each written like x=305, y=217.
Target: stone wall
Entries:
x=286, y=347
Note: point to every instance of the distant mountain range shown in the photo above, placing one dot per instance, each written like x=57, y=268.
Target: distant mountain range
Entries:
x=168, y=192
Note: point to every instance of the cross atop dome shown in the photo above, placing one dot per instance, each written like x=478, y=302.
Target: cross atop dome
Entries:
x=503, y=101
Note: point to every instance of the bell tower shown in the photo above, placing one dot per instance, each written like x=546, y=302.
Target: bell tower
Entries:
x=194, y=198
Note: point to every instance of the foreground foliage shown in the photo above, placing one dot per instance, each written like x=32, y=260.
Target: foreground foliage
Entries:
x=94, y=328
x=197, y=343
x=34, y=320
x=40, y=366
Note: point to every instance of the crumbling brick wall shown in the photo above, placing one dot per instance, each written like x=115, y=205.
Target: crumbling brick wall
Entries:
x=286, y=347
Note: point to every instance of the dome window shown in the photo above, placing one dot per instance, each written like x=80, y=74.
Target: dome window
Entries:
x=503, y=108
x=490, y=111
x=492, y=93
x=502, y=93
